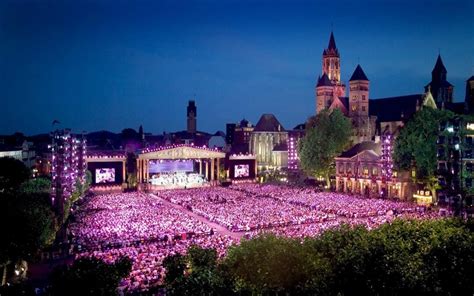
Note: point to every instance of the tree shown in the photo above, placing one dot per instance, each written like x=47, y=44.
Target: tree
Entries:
x=415, y=147
x=29, y=225
x=327, y=135
x=197, y=273
x=268, y=264
x=89, y=276
x=38, y=185
x=12, y=174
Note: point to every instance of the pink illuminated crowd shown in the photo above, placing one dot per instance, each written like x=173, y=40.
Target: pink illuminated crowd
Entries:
x=149, y=227
x=241, y=211
x=125, y=218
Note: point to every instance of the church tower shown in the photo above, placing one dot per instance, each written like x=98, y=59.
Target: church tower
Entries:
x=331, y=61
x=441, y=89
x=191, y=114
x=324, y=93
x=359, y=105
x=329, y=83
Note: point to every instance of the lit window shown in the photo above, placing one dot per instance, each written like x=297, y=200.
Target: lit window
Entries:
x=354, y=108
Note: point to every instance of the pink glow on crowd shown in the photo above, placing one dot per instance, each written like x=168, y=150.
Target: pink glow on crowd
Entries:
x=149, y=227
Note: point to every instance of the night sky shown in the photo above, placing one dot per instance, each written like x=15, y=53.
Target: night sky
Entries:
x=106, y=65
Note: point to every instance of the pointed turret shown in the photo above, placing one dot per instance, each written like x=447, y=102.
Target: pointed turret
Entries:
x=441, y=89
x=358, y=74
x=332, y=42
x=439, y=66
x=324, y=81
x=332, y=48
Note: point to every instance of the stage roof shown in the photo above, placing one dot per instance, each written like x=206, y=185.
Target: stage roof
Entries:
x=181, y=152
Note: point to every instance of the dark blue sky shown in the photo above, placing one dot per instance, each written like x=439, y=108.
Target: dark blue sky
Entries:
x=96, y=65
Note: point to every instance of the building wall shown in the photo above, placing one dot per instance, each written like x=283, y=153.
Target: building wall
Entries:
x=262, y=144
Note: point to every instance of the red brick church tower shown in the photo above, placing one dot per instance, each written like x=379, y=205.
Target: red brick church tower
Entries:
x=329, y=84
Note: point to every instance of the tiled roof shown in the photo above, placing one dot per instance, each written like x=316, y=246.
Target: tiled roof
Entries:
x=358, y=74
x=268, y=123
x=394, y=108
x=356, y=149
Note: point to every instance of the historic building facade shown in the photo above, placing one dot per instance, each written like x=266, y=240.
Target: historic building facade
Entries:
x=268, y=141
x=439, y=86
x=330, y=93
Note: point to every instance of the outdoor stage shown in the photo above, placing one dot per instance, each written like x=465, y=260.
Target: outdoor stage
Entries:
x=181, y=166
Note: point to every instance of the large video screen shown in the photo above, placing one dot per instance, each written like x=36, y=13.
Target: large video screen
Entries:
x=104, y=175
x=241, y=171
x=167, y=166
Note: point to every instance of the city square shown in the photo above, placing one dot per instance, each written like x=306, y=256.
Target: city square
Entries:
x=236, y=148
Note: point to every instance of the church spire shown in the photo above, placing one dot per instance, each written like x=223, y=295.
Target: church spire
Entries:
x=332, y=42
x=332, y=48
x=439, y=66
x=441, y=89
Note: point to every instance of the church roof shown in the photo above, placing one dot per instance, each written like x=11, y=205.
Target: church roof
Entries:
x=439, y=66
x=358, y=148
x=332, y=49
x=301, y=126
x=358, y=74
x=394, y=108
x=332, y=42
x=268, y=123
x=324, y=81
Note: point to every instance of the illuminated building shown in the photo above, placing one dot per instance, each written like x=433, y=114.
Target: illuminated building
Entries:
x=366, y=169
x=266, y=142
x=238, y=136
x=329, y=86
x=25, y=153
x=67, y=166
x=293, y=138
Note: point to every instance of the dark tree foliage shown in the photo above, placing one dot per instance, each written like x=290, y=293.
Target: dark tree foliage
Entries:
x=406, y=257
x=197, y=273
x=12, y=174
x=22, y=288
x=38, y=185
x=415, y=147
x=327, y=135
x=28, y=222
x=89, y=277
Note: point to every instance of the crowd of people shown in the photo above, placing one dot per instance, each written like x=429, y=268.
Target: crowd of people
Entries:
x=149, y=227
x=241, y=211
x=122, y=219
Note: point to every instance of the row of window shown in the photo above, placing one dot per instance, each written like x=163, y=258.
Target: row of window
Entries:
x=454, y=140
x=453, y=153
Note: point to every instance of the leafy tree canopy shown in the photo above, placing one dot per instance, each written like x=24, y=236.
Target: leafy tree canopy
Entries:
x=89, y=277
x=12, y=174
x=327, y=135
x=30, y=224
x=406, y=257
x=38, y=185
x=415, y=147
